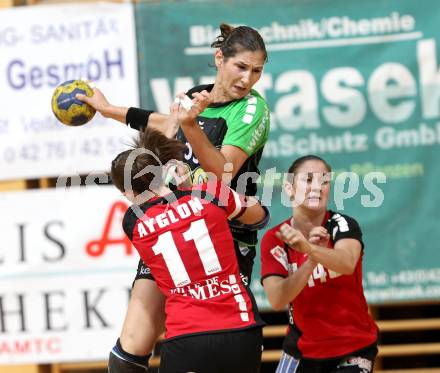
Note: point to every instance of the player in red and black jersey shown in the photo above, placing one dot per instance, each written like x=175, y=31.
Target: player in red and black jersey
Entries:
x=184, y=238
x=313, y=263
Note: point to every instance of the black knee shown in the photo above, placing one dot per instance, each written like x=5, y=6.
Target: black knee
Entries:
x=120, y=361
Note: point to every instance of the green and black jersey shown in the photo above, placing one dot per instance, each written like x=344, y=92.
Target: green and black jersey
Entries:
x=243, y=123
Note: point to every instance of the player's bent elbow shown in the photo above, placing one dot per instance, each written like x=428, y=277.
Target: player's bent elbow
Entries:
x=134, y=345
x=351, y=264
x=274, y=290
x=347, y=269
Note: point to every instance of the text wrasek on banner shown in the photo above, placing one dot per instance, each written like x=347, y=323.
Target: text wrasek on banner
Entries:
x=358, y=84
x=43, y=46
x=66, y=272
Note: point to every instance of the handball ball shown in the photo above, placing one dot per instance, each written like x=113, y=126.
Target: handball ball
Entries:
x=67, y=108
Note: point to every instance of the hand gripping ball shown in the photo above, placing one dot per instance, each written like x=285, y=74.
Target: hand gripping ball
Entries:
x=67, y=108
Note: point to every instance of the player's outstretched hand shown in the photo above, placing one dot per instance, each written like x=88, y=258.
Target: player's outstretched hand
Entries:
x=319, y=236
x=97, y=101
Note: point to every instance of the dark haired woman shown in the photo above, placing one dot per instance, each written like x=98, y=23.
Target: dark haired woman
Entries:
x=230, y=136
x=312, y=262
x=184, y=238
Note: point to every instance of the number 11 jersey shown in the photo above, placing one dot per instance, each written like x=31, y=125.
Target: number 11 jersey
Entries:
x=184, y=238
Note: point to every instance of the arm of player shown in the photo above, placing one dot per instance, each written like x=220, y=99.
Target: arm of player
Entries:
x=98, y=101
x=342, y=259
x=210, y=158
x=145, y=318
x=281, y=284
x=281, y=291
x=246, y=210
x=254, y=214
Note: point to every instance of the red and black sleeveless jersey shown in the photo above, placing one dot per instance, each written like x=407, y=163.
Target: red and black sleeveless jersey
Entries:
x=184, y=238
x=329, y=318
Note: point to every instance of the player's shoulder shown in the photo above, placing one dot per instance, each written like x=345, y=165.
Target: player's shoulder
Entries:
x=254, y=93
x=254, y=98
x=252, y=103
x=343, y=221
x=199, y=88
x=133, y=214
x=129, y=221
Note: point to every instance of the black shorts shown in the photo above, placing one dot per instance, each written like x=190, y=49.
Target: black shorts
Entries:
x=358, y=362
x=225, y=352
x=245, y=256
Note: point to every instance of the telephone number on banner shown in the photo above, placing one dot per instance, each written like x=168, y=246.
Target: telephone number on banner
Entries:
x=62, y=150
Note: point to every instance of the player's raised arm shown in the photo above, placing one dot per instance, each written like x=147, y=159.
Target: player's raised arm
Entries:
x=134, y=117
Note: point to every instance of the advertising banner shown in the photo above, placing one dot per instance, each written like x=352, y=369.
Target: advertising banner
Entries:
x=43, y=46
x=66, y=274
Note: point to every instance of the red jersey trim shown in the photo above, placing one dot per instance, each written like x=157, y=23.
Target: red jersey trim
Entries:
x=258, y=324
